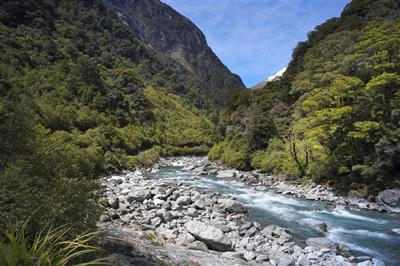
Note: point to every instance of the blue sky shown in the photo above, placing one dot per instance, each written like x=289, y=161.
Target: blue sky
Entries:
x=255, y=38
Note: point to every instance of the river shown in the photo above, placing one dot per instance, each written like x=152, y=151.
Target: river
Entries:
x=364, y=232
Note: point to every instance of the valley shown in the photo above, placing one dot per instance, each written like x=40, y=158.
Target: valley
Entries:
x=124, y=139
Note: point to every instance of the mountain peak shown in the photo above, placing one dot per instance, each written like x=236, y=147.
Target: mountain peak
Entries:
x=270, y=78
x=172, y=34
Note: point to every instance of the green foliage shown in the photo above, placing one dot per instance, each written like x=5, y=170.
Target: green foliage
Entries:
x=275, y=159
x=80, y=96
x=47, y=248
x=334, y=114
x=234, y=152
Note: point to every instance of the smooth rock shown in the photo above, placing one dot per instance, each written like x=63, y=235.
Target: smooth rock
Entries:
x=365, y=263
x=389, y=198
x=165, y=215
x=245, y=226
x=262, y=257
x=213, y=237
x=185, y=239
x=156, y=221
x=285, y=260
x=226, y=174
x=197, y=245
x=125, y=191
x=139, y=196
x=249, y=255
x=183, y=200
x=251, y=232
x=232, y=206
x=303, y=260
x=320, y=242
x=377, y=262
x=283, y=238
x=200, y=204
x=192, y=212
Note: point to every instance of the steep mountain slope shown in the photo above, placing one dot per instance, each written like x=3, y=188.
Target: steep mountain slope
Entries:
x=334, y=114
x=81, y=96
x=170, y=33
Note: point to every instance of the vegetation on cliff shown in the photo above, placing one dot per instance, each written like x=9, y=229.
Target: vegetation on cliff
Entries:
x=334, y=114
x=81, y=96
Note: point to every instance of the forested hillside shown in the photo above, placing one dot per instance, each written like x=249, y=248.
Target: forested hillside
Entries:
x=333, y=117
x=168, y=32
x=80, y=96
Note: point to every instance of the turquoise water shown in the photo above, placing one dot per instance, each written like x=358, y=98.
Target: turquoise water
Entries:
x=364, y=232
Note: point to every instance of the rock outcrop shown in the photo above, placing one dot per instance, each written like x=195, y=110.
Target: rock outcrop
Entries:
x=173, y=35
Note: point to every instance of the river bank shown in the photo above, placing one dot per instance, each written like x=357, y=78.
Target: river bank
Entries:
x=278, y=184
x=188, y=223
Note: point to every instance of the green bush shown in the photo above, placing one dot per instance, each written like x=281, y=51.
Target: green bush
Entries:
x=234, y=152
x=49, y=247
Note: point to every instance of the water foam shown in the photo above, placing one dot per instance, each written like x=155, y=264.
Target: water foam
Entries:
x=396, y=230
x=362, y=232
x=340, y=211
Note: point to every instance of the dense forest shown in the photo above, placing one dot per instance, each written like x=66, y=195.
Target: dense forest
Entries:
x=333, y=117
x=83, y=95
x=80, y=96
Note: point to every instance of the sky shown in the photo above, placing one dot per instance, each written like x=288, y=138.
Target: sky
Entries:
x=255, y=38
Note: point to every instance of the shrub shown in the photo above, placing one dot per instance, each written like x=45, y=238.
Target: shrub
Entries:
x=48, y=248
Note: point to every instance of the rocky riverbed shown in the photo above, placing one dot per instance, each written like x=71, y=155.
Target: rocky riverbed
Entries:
x=387, y=201
x=154, y=221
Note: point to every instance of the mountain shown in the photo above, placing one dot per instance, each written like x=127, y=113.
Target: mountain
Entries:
x=81, y=95
x=333, y=116
x=168, y=32
x=262, y=84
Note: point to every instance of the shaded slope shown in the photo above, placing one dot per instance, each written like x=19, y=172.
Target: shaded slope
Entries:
x=170, y=33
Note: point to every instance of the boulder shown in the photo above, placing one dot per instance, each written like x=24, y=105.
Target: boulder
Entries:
x=185, y=239
x=232, y=206
x=167, y=234
x=158, y=202
x=200, y=204
x=192, y=212
x=213, y=237
x=285, y=260
x=138, y=173
x=251, y=232
x=390, y=198
x=262, y=257
x=197, y=245
x=377, y=262
x=164, y=215
x=283, y=238
x=104, y=218
x=125, y=191
x=249, y=255
x=183, y=200
x=323, y=227
x=139, y=196
x=365, y=263
x=156, y=221
x=226, y=173
x=245, y=226
x=320, y=242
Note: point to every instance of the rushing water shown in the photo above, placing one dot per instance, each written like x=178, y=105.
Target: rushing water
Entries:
x=364, y=232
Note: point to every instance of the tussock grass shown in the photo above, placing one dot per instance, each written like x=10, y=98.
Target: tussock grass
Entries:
x=48, y=247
